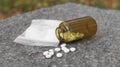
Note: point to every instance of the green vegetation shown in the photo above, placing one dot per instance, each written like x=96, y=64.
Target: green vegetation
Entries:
x=12, y=7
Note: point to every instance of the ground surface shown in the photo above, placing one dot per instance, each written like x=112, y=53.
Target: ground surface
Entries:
x=103, y=50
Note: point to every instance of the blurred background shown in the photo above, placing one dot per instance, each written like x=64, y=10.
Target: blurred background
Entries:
x=12, y=7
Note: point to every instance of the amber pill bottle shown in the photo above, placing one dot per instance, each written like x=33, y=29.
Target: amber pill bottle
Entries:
x=80, y=28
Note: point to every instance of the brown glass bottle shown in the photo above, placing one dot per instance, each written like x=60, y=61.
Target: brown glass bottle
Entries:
x=76, y=29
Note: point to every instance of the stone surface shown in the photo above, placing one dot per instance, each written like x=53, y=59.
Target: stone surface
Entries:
x=103, y=50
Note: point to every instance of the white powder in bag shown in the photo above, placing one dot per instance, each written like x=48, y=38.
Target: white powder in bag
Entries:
x=40, y=33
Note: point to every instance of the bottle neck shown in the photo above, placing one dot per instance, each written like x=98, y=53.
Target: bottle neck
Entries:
x=59, y=34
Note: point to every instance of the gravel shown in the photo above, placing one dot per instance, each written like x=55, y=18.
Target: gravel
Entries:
x=102, y=50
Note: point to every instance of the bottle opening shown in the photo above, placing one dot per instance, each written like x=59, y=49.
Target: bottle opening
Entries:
x=59, y=34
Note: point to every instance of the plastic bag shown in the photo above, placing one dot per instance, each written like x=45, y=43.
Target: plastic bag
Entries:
x=40, y=33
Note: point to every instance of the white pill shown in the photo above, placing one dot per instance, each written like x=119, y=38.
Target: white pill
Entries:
x=51, y=50
x=51, y=53
x=66, y=50
x=57, y=49
x=72, y=49
x=59, y=54
x=48, y=56
x=63, y=45
x=45, y=52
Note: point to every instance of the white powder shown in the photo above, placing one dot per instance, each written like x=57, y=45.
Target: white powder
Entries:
x=40, y=33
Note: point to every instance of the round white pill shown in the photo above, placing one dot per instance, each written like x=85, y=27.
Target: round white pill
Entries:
x=63, y=45
x=72, y=49
x=51, y=53
x=63, y=48
x=51, y=50
x=48, y=56
x=45, y=52
x=59, y=54
x=57, y=49
x=66, y=50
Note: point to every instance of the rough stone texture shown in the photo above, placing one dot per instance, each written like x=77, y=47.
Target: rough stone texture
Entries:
x=103, y=50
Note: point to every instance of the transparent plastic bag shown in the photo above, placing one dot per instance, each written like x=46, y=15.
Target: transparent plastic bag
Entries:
x=40, y=33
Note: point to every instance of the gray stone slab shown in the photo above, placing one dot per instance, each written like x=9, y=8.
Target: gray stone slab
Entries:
x=103, y=50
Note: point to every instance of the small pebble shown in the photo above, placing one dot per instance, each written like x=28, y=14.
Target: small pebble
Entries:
x=59, y=55
x=57, y=49
x=72, y=49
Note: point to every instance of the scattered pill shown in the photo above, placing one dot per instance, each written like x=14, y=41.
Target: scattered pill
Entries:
x=59, y=54
x=45, y=52
x=51, y=50
x=63, y=48
x=57, y=49
x=63, y=45
x=48, y=56
x=66, y=50
x=51, y=53
x=72, y=49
